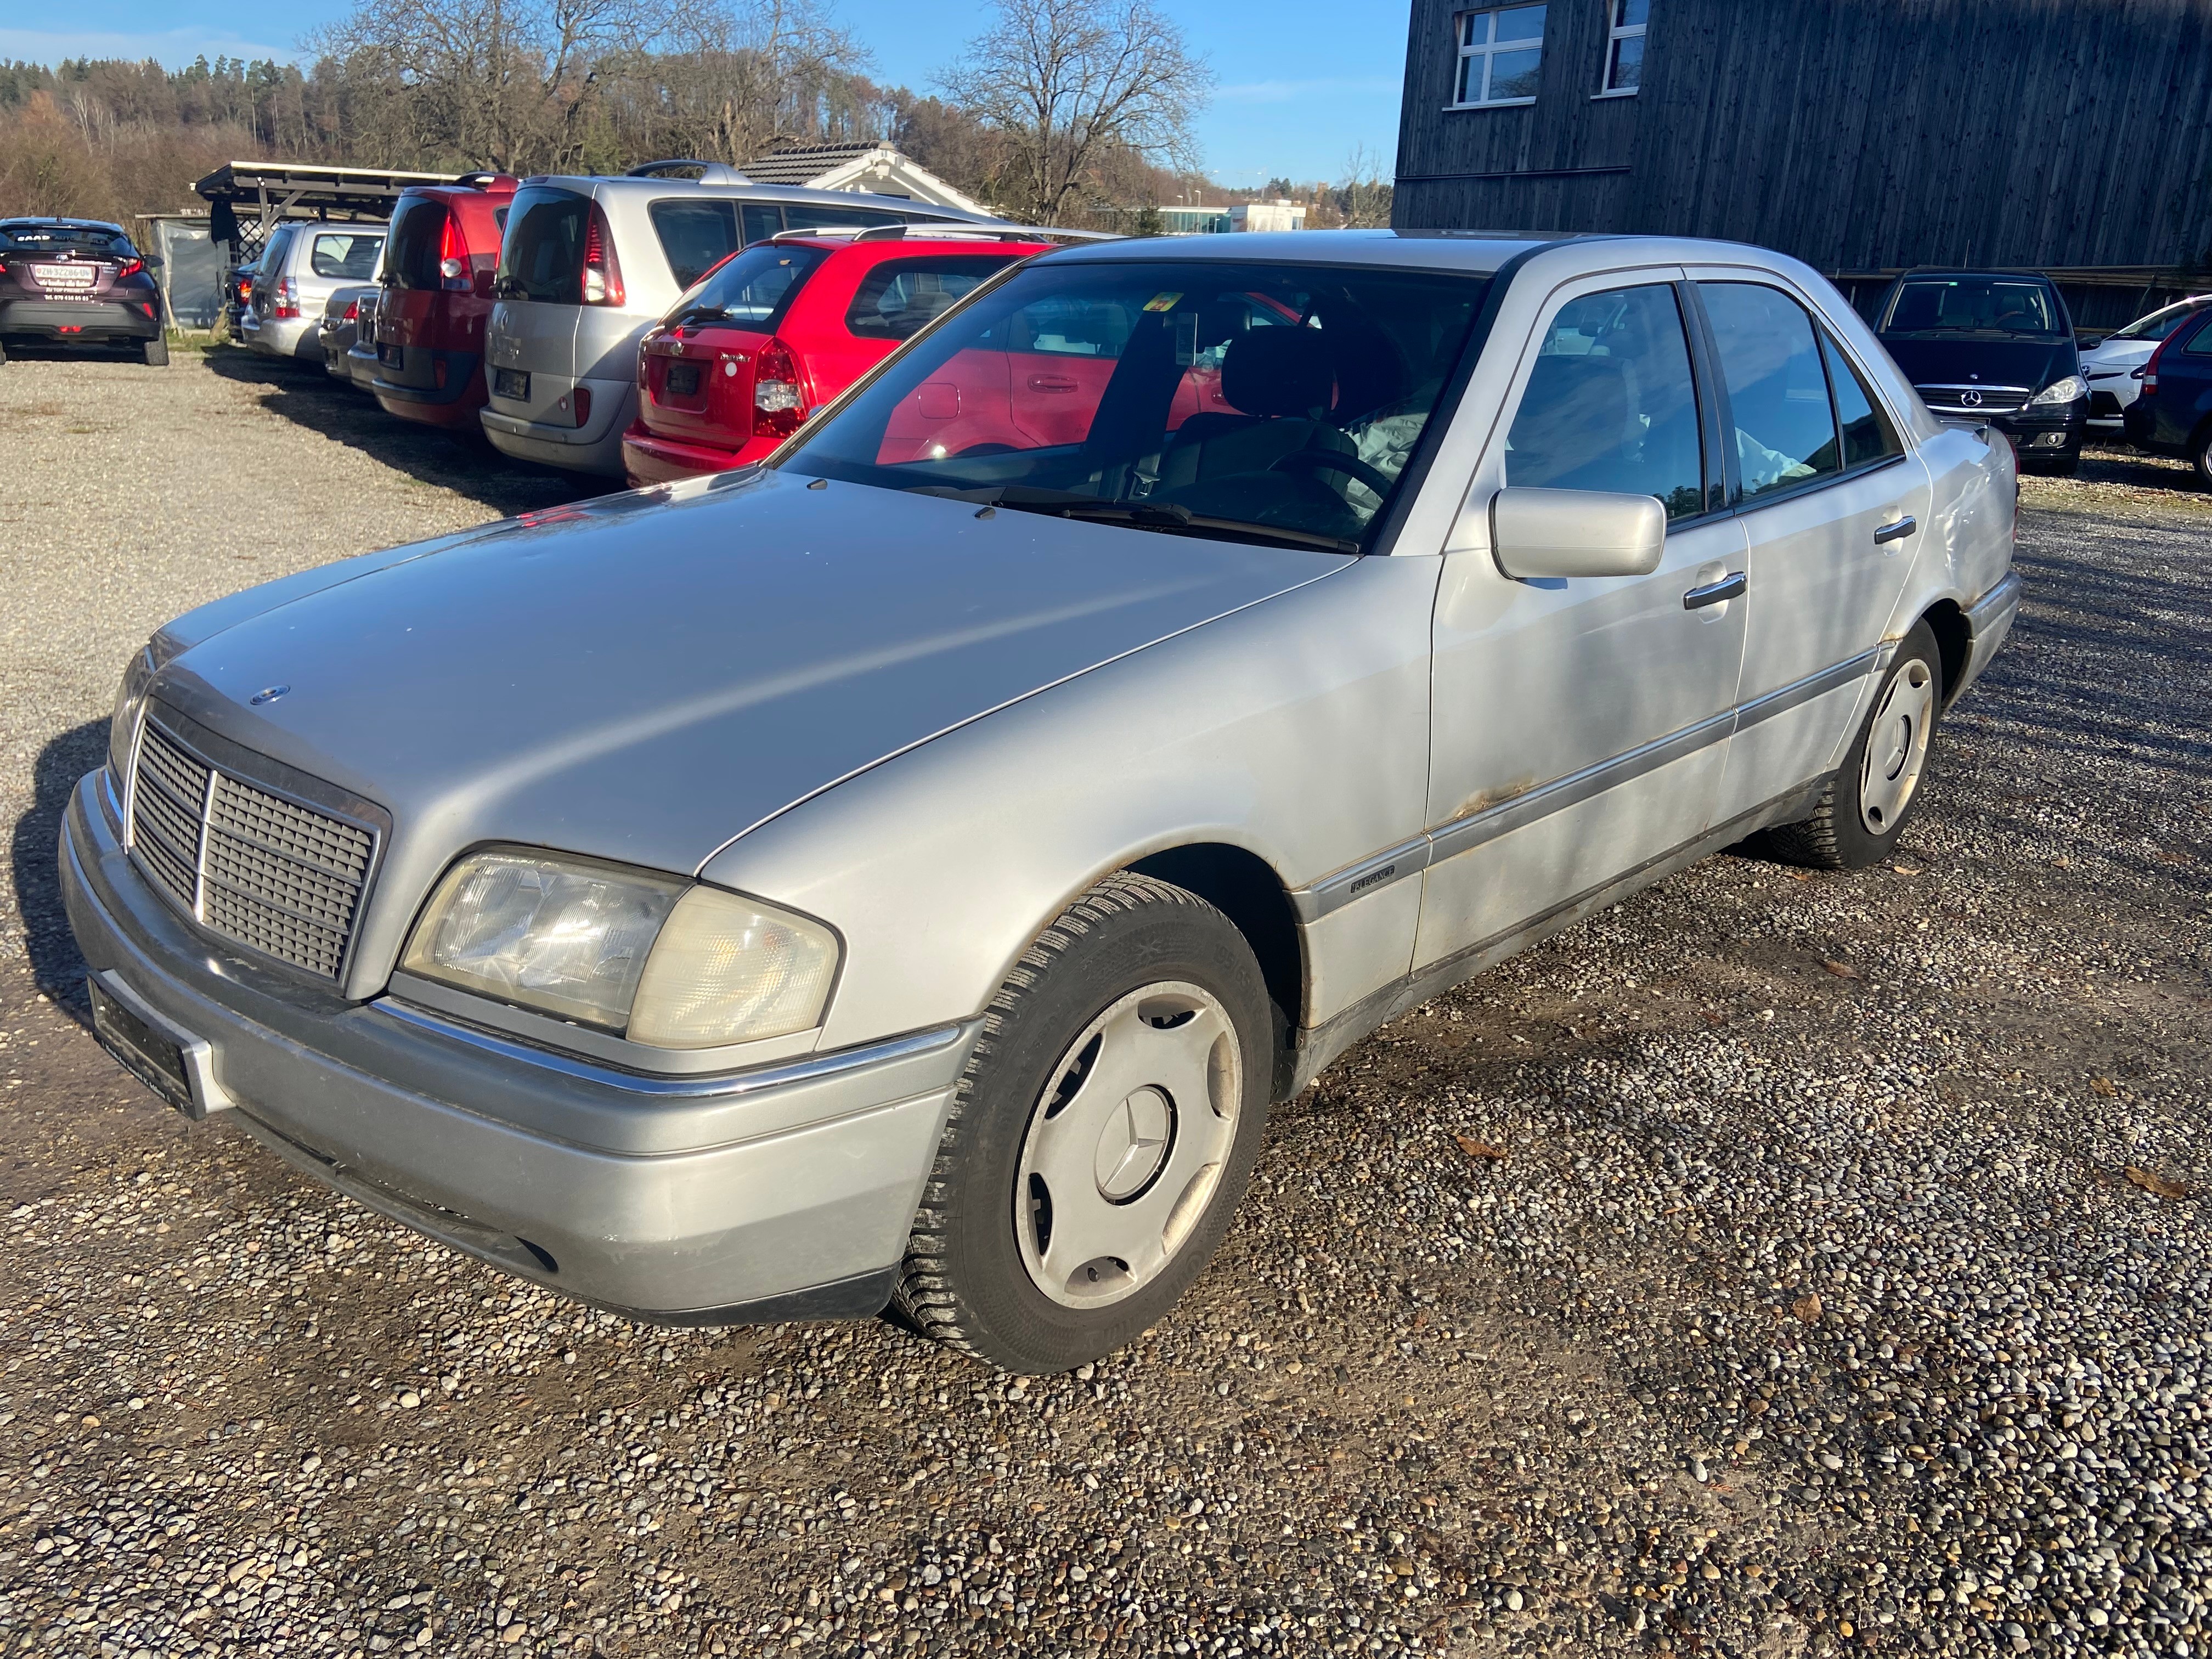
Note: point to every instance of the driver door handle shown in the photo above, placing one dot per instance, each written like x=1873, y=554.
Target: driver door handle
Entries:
x=1050, y=383
x=1896, y=532
x=1731, y=586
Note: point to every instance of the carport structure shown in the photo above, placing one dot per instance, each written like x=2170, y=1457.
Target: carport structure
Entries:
x=251, y=198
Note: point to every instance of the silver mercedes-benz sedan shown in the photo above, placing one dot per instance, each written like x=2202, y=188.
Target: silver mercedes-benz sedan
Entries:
x=904, y=873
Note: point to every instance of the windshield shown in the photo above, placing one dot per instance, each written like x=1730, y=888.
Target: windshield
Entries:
x=1270, y=403
x=1993, y=306
x=2158, y=324
x=752, y=289
x=82, y=241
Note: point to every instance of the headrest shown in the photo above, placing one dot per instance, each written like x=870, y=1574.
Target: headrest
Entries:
x=1278, y=371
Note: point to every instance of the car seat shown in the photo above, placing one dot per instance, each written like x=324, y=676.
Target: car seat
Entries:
x=1282, y=382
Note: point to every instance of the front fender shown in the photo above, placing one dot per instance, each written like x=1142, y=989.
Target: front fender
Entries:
x=1296, y=729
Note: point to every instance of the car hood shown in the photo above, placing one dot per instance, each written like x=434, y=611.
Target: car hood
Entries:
x=1940, y=361
x=645, y=677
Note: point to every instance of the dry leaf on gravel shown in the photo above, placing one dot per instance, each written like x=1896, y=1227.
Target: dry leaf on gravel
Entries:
x=1807, y=1307
x=1798, y=875
x=2153, y=1183
x=1478, y=1149
x=1841, y=969
x=1907, y=869
x=2105, y=1086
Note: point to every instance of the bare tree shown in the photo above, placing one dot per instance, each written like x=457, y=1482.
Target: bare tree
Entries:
x=1069, y=84
x=730, y=78
x=1363, y=198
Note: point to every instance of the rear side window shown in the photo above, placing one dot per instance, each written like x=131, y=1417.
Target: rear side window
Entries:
x=1778, y=391
x=542, y=255
x=762, y=221
x=1611, y=403
x=754, y=289
x=1868, y=435
x=695, y=235
x=899, y=297
x=2199, y=345
x=807, y=216
x=415, y=240
x=349, y=256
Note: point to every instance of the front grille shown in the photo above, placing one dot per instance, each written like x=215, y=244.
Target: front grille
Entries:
x=1992, y=399
x=273, y=876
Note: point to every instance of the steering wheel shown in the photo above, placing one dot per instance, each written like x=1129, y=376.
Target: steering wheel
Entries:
x=1329, y=460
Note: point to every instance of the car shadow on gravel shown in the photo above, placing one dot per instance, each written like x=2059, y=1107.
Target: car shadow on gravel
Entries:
x=55, y=965
x=304, y=393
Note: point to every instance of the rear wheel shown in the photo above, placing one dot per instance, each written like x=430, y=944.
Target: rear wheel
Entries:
x=157, y=352
x=1102, y=1136
x=1874, y=793
x=2200, y=458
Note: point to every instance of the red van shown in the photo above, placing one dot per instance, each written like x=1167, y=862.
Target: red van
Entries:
x=780, y=327
x=437, y=298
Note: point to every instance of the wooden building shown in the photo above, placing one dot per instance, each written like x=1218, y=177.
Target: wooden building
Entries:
x=1865, y=136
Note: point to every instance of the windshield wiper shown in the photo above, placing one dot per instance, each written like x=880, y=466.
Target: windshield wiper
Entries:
x=699, y=314
x=1180, y=521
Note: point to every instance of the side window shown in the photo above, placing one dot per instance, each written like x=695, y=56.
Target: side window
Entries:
x=1611, y=403
x=899, y=297
x=2199, y=345
x=762, y=221
x=1070, y=327
x=806, y=215
x=1868, y=435
x=695, y=235
x=1785, y=429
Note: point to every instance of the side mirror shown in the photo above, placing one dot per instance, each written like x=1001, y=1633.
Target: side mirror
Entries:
x=1576, y=532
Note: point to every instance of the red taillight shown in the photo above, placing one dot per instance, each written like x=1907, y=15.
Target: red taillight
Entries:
x=2150, y=368
x=129, y=268
x=353, y=311
x=603, y=284
x=453, y=256
x=778, y=405
x=287, y=299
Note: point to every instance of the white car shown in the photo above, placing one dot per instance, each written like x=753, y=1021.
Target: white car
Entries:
x=2110, y=368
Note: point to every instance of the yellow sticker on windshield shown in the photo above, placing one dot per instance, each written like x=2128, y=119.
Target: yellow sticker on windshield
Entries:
x=1161, y=301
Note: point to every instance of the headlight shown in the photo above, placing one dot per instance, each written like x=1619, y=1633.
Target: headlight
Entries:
x=666, y=961
x=122, y=727
x=2061, y=391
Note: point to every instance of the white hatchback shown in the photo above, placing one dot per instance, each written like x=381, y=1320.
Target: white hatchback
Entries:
x=2111, y=368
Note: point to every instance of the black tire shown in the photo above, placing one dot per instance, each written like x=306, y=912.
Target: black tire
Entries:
x=1837, y=837
x=964, y=1280
x=2200, y=458
x=157, y=352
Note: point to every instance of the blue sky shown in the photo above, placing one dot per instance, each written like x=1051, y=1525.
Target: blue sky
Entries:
x=1301, y=82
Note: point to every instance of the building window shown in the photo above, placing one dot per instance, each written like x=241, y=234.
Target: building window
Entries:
x=1499, y=51
x=1626, y=20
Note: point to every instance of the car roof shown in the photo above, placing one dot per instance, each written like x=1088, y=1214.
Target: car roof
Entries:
x=1480, y=251
x=1919, y=272
x=56, y=220
x=586, y=185
x=943, y=241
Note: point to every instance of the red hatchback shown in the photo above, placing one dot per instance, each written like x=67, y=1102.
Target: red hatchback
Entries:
x=437, y=298
x=780, y=328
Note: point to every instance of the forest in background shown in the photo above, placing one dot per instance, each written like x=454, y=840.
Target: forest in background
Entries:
x=1066, y=112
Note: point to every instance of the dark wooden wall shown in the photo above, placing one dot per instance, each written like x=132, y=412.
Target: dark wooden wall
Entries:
x=1858, y=135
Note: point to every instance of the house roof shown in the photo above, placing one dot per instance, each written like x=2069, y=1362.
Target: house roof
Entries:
x=801, y=164
x=877, y=168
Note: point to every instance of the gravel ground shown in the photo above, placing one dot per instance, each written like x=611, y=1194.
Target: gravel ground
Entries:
x=1775, y=1265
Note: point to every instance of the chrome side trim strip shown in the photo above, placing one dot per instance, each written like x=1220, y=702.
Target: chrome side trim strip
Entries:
x=1463, y=835
x=1799, y=692
x=727, y=1085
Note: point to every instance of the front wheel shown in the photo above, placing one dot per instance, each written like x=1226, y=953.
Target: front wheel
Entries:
x=1102, y=1136
x=1865, y=807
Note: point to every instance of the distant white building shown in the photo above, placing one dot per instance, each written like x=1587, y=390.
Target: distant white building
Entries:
x=1281, y=214
x=879, y=167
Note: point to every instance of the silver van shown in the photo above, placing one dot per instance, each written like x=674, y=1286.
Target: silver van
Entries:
x=587, y=264
x=302, y=264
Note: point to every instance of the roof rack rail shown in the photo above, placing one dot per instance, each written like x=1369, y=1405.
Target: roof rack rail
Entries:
x=484, y=178
x=961, y=230
x=710, y=172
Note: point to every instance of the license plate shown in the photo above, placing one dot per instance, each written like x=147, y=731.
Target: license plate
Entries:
x=155, y=1060
x=683, y=380
x=511, y=382
x=393, y=355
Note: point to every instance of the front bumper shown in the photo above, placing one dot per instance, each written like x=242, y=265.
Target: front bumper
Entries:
x=2052, y=434
x=78, y=322
x=783, y=1193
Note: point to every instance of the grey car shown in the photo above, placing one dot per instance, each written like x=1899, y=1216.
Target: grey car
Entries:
x=907, y=871
x=340, y=327
x=302, y=263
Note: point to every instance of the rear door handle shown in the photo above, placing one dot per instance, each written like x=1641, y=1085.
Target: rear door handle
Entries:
x=1896, y=531
x=1731, y=586
x=1050, y=383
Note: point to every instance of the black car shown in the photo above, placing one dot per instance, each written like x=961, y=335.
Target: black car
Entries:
x=77, y=282
x=1996, y=346
x=2173, y=413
